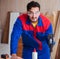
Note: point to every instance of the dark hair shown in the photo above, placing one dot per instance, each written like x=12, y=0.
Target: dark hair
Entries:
x=32, y=4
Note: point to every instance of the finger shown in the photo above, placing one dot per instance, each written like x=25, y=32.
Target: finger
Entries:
x=19, y=58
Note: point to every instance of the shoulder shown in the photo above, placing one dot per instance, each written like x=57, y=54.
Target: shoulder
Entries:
x=23, y=17
x=46, y=22
x=44, y=18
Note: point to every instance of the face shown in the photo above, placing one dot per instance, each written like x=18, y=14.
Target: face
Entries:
x=33, y=14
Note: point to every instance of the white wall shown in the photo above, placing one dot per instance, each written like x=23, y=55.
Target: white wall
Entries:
x=46, y=5
x=4, y=49
x=50, y=5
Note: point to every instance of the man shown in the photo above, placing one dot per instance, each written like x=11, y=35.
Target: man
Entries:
x=34, y=29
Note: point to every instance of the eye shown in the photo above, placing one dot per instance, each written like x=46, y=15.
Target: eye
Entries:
x=30, y=13
x=37, y=12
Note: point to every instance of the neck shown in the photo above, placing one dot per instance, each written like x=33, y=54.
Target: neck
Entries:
x=34, y=23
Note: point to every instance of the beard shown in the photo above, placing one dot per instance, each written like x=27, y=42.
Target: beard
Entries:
x=34, y=19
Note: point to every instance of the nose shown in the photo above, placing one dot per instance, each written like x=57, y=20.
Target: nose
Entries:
x=34, y=15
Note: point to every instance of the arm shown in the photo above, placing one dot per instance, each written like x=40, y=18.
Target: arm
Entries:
x=16, y=33
x=50, y=40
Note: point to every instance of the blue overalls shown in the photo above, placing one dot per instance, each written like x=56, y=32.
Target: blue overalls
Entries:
x=31, y=37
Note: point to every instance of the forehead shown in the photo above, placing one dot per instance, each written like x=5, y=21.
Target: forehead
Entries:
x=34, y=9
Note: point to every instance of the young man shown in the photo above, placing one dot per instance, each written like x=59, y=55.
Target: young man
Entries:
x=34, y=29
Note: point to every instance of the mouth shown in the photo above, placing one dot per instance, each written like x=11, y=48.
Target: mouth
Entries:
x=34, y=20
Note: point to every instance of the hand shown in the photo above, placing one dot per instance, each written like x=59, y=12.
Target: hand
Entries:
x=19, y=57
x=14, y=56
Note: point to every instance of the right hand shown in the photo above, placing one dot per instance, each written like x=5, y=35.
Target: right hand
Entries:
x=14, y=56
